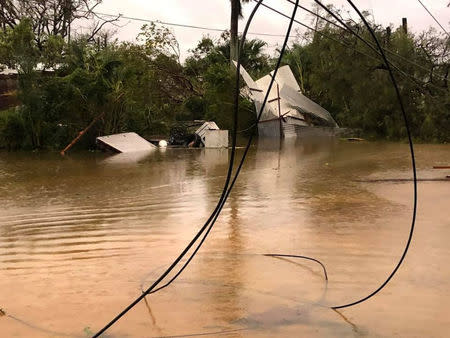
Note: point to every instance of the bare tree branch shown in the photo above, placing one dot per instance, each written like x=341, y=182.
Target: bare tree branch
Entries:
x=52, y=17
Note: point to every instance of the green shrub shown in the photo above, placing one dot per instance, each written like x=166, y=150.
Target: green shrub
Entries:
x=12, y=130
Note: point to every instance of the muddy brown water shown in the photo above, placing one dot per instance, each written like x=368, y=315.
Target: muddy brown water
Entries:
x=80, y=236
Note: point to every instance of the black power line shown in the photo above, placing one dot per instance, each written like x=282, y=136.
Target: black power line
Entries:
x=120, y=16
x=228, y=187
x=434, y=18
x=345, y=27
x=317, y=31
x=413, y=161
x=414, y=80
x=317, y=15
x=226, y=190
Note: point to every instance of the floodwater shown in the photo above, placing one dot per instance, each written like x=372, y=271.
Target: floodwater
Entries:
x=80, y=237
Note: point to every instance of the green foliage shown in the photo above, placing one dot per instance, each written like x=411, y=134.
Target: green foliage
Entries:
x=136, y=87
x=356, y=87
x=145, y=88
x=12, y=130
x=209, y=66
x=209, y=52
x=159, y=40
x=17, y=47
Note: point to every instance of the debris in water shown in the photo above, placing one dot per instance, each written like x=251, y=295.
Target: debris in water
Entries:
x=354, y=139
x=124, y=143
x=354, y=327
x=211, y=135
x=288, y=112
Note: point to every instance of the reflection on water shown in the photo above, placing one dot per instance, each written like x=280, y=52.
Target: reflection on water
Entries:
x=129, y=158
x=81, y=235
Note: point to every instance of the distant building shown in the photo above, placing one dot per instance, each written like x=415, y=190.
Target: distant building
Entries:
x=8, y=89
x=9, y=83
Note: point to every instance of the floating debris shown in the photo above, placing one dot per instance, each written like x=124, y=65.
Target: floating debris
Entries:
x=212, y=136
x=124, y=143
x=354, y=139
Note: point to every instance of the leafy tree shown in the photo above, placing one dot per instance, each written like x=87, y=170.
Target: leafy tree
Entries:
x=209, y=67
x=52, y=17
x=159, y=40
x=18, y=49
x=356, y=88
x=143, y=87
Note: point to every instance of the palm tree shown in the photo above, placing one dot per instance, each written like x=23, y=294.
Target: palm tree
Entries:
x=236, y=13
x=252, y=55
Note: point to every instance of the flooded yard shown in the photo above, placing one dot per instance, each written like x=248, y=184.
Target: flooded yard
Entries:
x=81, y=236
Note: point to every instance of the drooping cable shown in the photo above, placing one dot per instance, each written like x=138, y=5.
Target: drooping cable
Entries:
x=192, y=242
x=225, y=192
x=413, y=164
x=302, y=257
x=415, y=184
x=225, y=196
x=249, y=142
x=272, y=81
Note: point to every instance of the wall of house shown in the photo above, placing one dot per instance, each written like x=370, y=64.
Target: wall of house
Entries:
x=8, y=90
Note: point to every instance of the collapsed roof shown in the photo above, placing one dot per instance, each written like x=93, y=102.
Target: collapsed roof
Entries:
x=285, y=98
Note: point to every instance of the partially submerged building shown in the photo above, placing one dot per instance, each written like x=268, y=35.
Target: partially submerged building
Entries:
x=287, y=113
x=198, y=134
x=212, y=136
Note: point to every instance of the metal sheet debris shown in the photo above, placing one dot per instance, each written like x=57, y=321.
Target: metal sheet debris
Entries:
x=125, y=143
x=287, y=112
x=211, y=136
x=206, y=126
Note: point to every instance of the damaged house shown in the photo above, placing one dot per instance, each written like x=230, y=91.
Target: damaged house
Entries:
x=287, y=113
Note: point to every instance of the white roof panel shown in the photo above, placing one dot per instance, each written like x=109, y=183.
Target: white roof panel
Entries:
x=126, y=142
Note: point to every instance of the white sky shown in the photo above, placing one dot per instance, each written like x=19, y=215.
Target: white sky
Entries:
x=216, y=14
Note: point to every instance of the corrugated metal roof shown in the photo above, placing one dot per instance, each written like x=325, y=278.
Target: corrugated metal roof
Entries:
x=287, y=91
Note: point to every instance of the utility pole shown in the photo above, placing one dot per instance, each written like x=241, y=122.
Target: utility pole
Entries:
x=234, y=43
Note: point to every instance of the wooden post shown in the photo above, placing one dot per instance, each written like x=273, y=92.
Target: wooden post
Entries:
x=279, y=110
x=81, y=133
x=405, y=25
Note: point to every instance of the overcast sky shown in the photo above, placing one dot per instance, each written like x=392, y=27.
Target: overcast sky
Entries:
x=216, y=14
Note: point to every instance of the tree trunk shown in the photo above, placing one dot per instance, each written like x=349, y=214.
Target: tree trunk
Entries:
x=234, y=42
